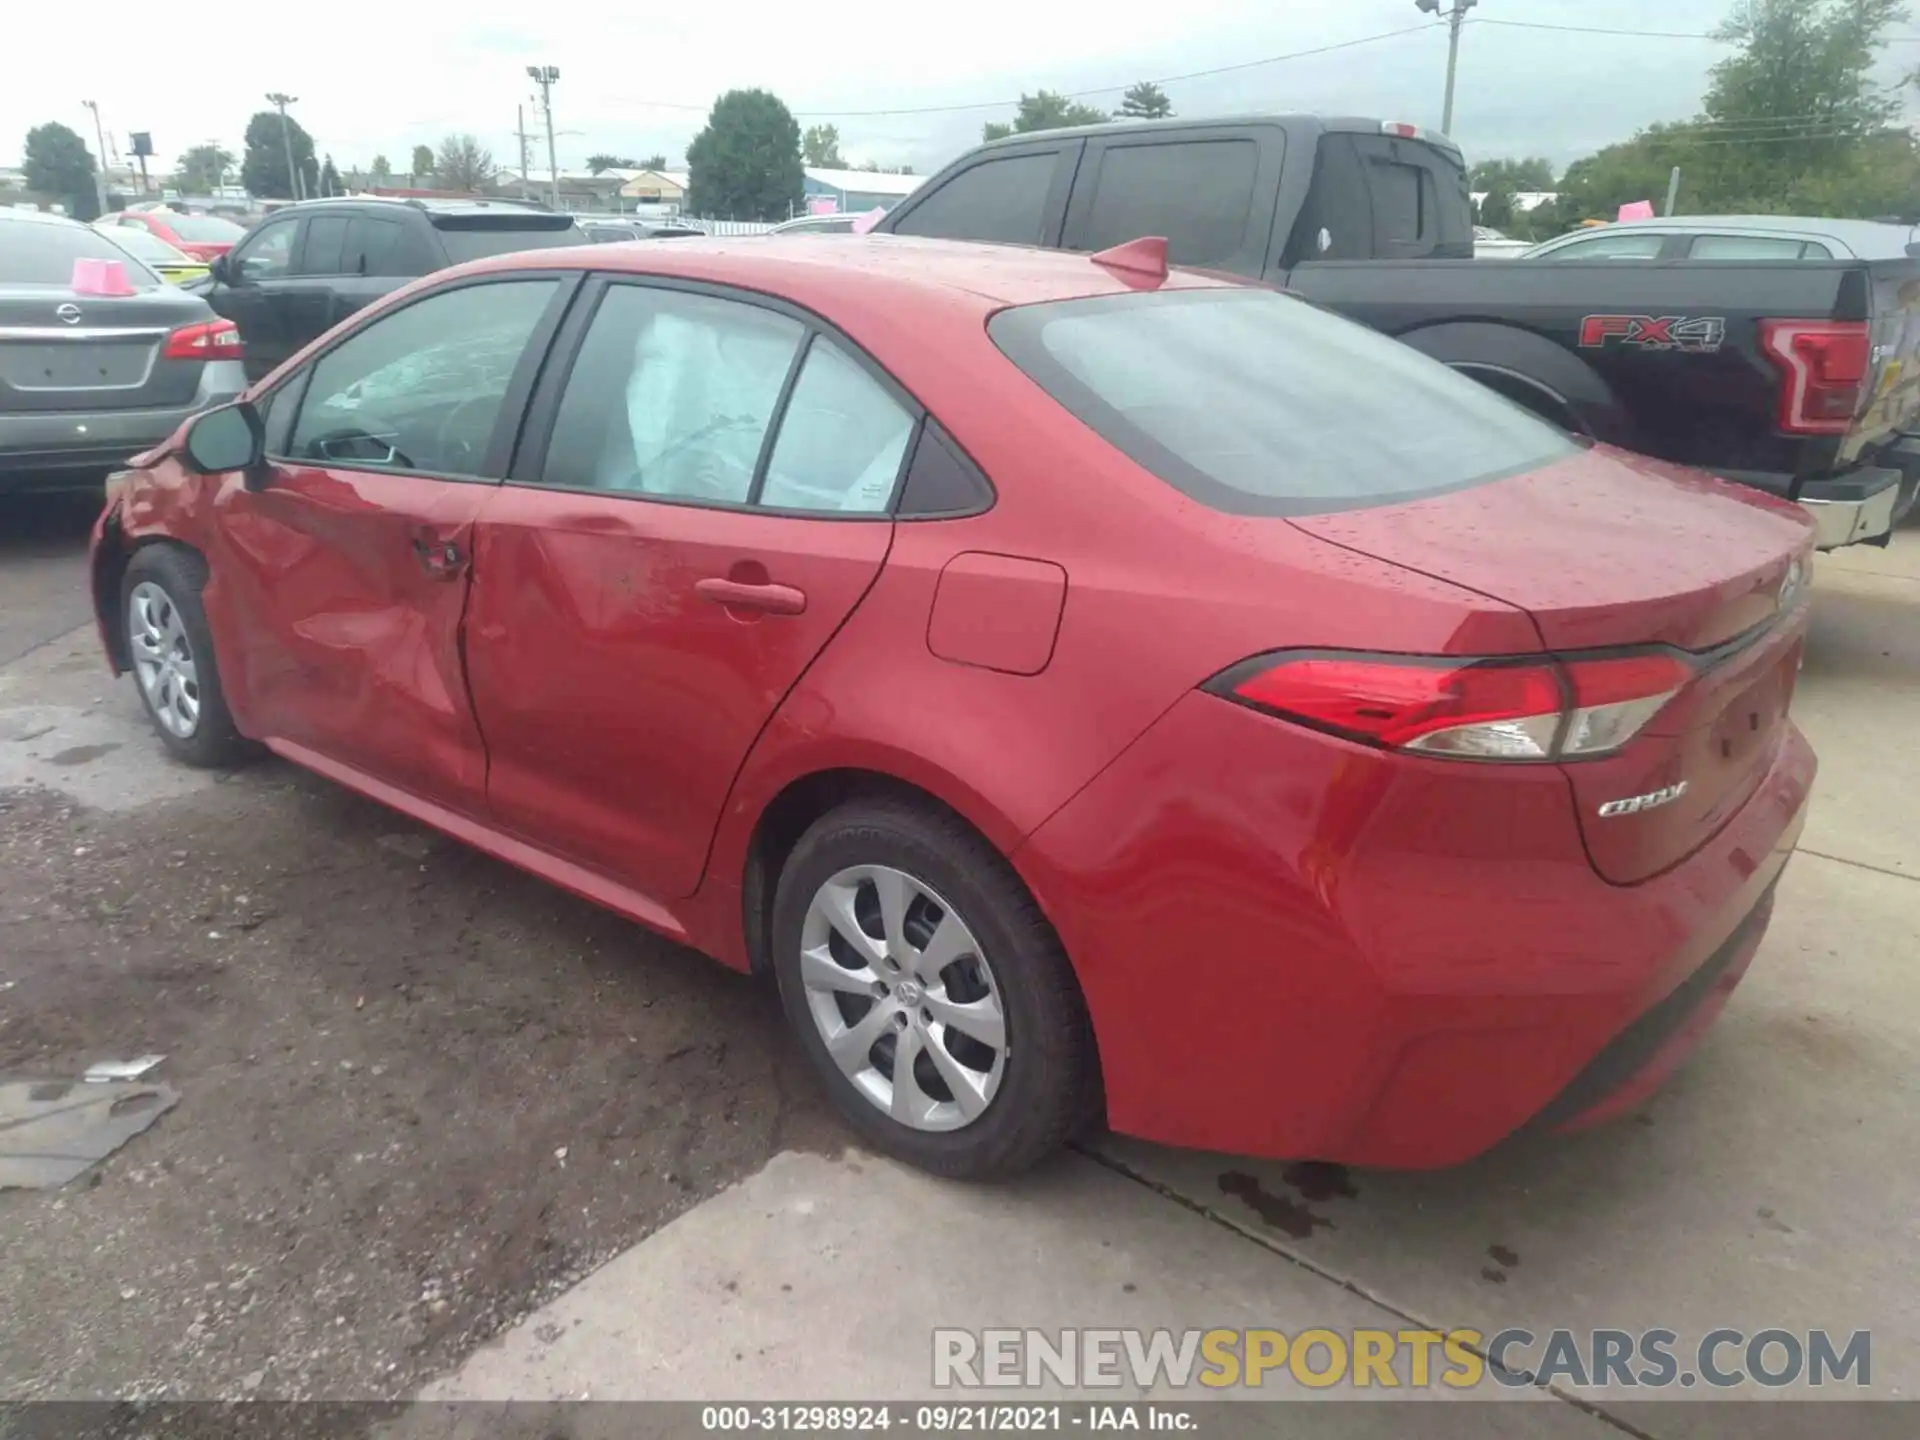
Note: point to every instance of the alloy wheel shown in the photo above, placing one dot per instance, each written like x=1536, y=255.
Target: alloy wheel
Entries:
x=163, y=659
x=903, y=998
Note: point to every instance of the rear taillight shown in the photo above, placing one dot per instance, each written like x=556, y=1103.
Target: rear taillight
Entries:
x=1524, y=709
x=1823, y=372
x=212, y=340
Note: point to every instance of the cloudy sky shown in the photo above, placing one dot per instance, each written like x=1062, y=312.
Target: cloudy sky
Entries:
x=379, y=76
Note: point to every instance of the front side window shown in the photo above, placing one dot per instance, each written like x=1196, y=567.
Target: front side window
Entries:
x=325, y=250
x=671, y=396
x=421, y=388
x=1255, y=403
x=268, y=252
x=998, y=200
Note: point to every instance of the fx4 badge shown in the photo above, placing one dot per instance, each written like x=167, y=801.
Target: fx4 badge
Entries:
x=1633, y=805
x=1692, y=335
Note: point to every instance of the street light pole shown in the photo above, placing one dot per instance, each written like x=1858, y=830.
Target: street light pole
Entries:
x=544, y=76
x=1455, y=18
x=280, y=101
x=100, y=136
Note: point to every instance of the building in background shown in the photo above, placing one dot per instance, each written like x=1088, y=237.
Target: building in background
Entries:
x=855, y=191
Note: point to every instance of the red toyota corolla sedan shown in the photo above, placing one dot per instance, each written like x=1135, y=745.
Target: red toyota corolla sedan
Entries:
x=204, y=237
x=1087, y=689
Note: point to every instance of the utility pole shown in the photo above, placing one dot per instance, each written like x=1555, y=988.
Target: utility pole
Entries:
x=280, y=101
x=1455, y=18
x=544, y=76
x=520, y=129
x=100, y=175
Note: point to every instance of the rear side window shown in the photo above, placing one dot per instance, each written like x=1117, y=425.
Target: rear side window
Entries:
x=1196, y=193
x=36, y=253
x=203, y=229
x=463, y=244
x=1254, y=403
x=324, y=252
x=999, y=200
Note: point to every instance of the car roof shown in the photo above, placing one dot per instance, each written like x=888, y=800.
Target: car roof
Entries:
x=1338, y=124
x=1871, y=239
x=476, y=206
x=39, y=217
x=973, y=275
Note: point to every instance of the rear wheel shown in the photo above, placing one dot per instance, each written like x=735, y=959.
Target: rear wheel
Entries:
x=930, y=992
x=171, y=652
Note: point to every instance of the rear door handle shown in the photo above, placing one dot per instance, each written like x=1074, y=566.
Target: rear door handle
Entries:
x=738, y=595
x=441, y=559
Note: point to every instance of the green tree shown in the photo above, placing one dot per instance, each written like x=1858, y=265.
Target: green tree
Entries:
x=655, y=161
x=1496, y=211
x=330, y=179
x=421, y=166
x=382, y=169
x=59, y=164
x=202, y=169
x=463, y=164
x=1533, y=173
x=820, y=147
x=746, y=163
x=597, y=164
x=1144, y=101
x=1043, y=110
x=264, y=169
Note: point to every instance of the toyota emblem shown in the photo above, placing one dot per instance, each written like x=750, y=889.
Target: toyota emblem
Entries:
x=70, y=313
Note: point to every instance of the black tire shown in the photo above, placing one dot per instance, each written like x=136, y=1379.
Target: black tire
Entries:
x=180, y=575
x=1046, y=1088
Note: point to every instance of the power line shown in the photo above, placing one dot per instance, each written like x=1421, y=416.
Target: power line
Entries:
x=1642, y=34
x=1068, y=94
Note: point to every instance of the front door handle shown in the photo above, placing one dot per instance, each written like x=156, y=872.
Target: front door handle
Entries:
x=441, y=559
x=739, y=595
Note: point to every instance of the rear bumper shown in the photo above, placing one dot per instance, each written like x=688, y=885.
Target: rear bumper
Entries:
x=57, y=449
x=1298, y=948
x=1858, y=507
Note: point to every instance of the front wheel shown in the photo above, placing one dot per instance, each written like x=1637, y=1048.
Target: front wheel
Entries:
x=930, y=992
x=171, y=652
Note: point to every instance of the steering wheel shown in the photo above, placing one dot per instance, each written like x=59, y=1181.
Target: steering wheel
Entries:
x=454, y=449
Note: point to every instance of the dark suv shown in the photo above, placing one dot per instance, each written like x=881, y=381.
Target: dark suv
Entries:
x=309, y=266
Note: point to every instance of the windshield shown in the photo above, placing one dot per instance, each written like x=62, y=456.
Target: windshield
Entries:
x=465, y=245
x=203, y=229
x=1256, y=403
x=33, y=253
x=147, y=246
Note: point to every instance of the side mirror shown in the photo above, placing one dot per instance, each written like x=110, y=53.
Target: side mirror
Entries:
x=233, y=437
x=220, y=270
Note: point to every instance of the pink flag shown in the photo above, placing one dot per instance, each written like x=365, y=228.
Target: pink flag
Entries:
x=1637, y=210
x=100, y=277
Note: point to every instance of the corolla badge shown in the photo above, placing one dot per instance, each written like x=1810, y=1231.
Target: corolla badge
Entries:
x=1652, y=800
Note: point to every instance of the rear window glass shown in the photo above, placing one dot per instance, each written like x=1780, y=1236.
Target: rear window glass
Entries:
x=463, y=245
x=36, y=253
x=203, y=229
x=1258, y=404
x=1196, y=193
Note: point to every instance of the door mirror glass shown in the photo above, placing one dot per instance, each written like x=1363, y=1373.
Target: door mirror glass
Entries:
x=217, y=268
x=230, y=438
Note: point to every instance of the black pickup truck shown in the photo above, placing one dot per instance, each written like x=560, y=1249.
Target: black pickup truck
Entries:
x=1798, y=377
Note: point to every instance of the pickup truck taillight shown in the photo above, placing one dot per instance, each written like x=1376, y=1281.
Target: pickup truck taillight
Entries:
x=1528, y=708
x=210, y=340
x=1823, y=371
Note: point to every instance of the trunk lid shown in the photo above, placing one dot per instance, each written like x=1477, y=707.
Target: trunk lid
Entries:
x=60, y=350
x=1607, y=550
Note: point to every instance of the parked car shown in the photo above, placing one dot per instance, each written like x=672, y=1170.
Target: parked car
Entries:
x=310, y=265
x=1801, y=379
x=170, y=264
x=204, y=237
x=1354, y=785
x=88, y=380
x=1490, y=244
x=611, y=232
x=817, y=225
x=1734, y=237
